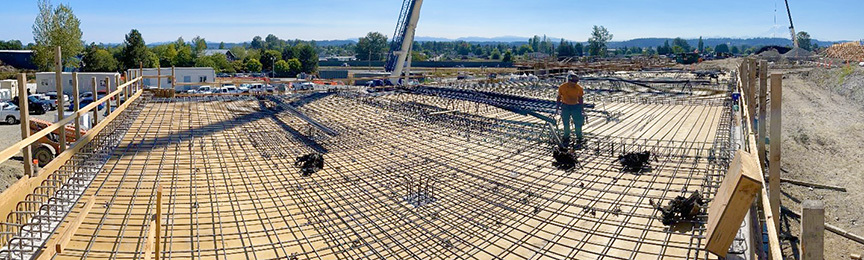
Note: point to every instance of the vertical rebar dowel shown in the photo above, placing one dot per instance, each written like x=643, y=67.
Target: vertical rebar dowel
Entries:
x=774, y=159
x=812, y=230
x=24, y=120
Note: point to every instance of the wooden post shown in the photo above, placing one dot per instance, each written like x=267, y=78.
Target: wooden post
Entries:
x=751, y=91
x=76, y=104
x=774, y=159
x=174, y=78
x=763, y=114
x=24, y=119
x=141, y=74
x=158, y=79
x=58, y=82
x=107, y=93
x=158, y=239
x=117, y=87
x=812, y=230
x=95, y=98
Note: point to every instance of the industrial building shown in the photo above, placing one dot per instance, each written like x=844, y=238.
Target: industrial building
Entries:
x=185, y=76
x=45, y=81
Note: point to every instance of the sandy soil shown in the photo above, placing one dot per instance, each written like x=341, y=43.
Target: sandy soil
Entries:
x=823, y=137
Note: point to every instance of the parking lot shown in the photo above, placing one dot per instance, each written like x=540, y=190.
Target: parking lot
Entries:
x=11, y=170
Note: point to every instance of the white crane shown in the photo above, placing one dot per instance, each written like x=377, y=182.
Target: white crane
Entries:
x=403, y=39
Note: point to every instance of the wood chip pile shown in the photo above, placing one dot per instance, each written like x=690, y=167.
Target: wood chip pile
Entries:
x=850, y=51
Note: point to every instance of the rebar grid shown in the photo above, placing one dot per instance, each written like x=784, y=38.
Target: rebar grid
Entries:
x=231, y=190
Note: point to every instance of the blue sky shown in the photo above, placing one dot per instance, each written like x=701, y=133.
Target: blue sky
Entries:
x=237, y=21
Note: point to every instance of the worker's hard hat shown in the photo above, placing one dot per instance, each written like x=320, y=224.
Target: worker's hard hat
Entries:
x=572, y=75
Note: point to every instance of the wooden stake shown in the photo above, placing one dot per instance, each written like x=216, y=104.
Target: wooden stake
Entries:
x=58, y=82
x=76, y=104
x=24, y=119
x=774, y=158
x=763, y=114
x=95, y=98
x=812, y=230
x=158, y=79
x=751, y=91
x=158, y=222
x=108, y=92
x=173, y=78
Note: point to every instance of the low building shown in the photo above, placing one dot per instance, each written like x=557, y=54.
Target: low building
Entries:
x=225, y=52
x=20, y=59
x=9, y=87
x=333, y=74
x=185, y=76
x=45, y=81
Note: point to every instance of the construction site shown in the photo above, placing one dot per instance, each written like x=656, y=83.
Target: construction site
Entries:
x=677, y=162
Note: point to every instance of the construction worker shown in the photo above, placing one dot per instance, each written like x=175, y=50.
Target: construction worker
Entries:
x=570, y=101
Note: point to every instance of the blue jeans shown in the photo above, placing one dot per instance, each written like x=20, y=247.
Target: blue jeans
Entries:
x=574, y=112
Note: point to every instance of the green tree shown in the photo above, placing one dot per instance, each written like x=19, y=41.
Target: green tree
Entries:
x=56, y=27
x=681, y=43
x=418, y=56
x=371, y=47
x=496, y=54
x=135, y=51
x=565, y=49
x=253, y=65
x=11, y=45
x=268, y=58
x=307, y=56
x=722, y=48
x=525, y=49
x=578, y=49
x=287, y=68
x=200, y=44
x=597, y=43
x=804, y=40
x=701, y=45
x=257, y=43
x=167, y=54
x=508, y=56
x=185, y=57
x=735, y=50
x=97, y=59
x=677, y=49
x=239, y=52
x=238, y=66
x=221, y=45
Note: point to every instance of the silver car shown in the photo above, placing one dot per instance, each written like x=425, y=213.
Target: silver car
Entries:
x=10, y=113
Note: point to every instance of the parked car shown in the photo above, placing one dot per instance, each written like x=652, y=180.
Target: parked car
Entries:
x=84, y=102
x=35, y=104
x=204, y=90
x=243, y=88
x=10, y=113
x=231, y=88
x=87, y=94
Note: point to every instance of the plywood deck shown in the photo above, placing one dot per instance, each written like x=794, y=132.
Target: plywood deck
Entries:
x=231, y=190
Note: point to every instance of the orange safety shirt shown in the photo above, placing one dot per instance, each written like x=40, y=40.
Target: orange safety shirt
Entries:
x=571, y=93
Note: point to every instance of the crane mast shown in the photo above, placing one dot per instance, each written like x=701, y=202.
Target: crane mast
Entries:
x=403, y=38
x=791, y=25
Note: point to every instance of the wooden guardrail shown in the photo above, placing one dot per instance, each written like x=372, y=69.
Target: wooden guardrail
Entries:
x=12, y=198
x=746, y=86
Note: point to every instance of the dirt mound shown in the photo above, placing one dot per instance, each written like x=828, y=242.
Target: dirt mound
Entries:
x=770, y=55
x=798, y=53
x=850, y=51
